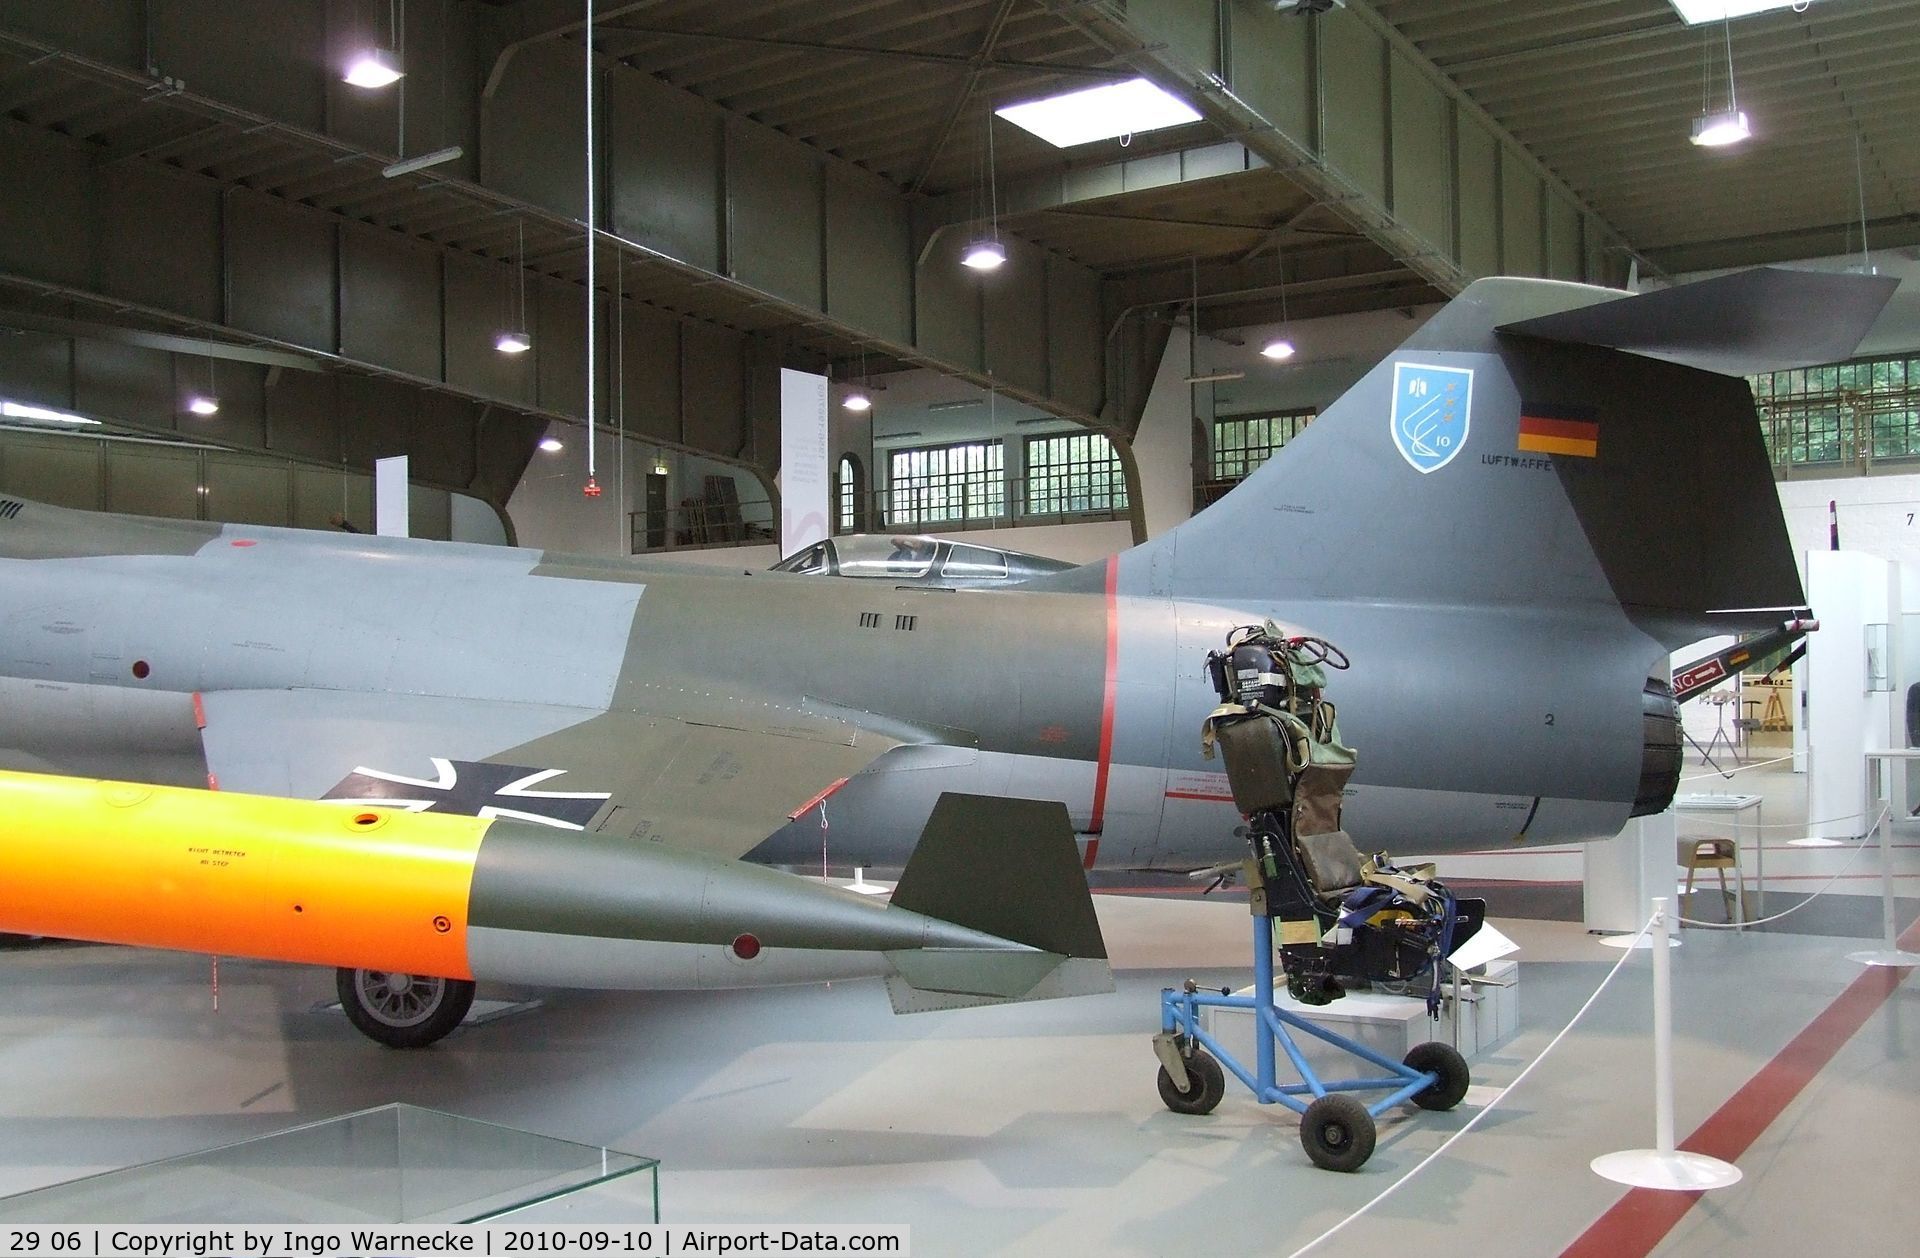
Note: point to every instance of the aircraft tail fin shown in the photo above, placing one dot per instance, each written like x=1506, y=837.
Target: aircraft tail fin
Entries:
x=1009, y=868
x=1537, y=444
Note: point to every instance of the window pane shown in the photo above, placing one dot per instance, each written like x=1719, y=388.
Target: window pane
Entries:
x=1076, y=473
x=946, y=483
x=1241, y=443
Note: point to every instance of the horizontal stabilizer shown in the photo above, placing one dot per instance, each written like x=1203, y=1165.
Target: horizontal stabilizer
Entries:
x=1005, y=867
x=1765, y=319
x=1009, y=868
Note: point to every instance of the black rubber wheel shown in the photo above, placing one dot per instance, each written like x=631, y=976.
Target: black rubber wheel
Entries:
x=1337, y=1133
x=1447, y=1091
x=1206, y=1084
x=403, y=1010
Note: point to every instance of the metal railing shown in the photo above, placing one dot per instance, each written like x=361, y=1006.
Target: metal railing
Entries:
x=695, y=525
x=964, y=505
x=965, y=501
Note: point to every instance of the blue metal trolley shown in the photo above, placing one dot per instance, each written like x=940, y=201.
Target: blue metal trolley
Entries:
x=1336, y=1128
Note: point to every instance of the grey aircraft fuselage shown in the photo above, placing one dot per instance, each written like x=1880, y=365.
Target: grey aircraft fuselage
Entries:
x=1091, y=698
x=1507, y=524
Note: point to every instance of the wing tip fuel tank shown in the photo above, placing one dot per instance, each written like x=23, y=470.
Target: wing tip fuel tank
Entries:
x=460, y=897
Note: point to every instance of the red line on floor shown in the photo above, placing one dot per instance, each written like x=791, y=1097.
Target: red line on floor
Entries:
x=1641, y=1219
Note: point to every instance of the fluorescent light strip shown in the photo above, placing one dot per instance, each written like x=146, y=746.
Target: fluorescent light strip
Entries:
x=422, y=162
x=1100, y=113
x=23, y=410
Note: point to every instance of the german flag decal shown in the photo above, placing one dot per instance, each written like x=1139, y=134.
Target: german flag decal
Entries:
x=1559, y=430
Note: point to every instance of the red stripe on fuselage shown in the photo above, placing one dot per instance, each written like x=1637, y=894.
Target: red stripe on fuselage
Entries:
x=1097, y=822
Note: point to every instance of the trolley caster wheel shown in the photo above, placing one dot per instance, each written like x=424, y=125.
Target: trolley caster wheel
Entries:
x=403, y=1010
x=1206, y=1084
x=1447, y=1091
x=1337, y=1133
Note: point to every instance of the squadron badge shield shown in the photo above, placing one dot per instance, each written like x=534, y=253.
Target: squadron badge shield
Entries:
x=1432, y=410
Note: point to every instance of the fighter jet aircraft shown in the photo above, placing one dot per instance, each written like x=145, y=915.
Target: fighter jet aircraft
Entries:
x=1508, y=524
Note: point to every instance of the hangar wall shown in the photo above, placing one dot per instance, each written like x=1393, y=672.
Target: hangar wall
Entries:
x=189, y=481
x=769, y=219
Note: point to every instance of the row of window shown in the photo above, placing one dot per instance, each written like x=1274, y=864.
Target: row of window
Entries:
x=1066, y=475
x=1842, y=412
x=1073, y=474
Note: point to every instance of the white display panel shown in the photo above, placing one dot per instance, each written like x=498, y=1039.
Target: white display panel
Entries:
x=806, y=485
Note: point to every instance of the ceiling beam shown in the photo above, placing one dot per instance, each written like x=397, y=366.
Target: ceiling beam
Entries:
x=951, y=60
x=978, y=62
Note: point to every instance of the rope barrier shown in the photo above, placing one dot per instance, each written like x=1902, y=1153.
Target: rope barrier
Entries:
x=1727, y=773
x=1488, y=1108
x=1694, y=818
x=1824, y=888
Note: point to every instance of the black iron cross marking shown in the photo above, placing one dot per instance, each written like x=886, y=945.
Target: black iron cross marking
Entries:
x=474, y=790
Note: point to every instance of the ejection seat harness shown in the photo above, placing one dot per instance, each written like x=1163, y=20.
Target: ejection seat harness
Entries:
x=1341, y=919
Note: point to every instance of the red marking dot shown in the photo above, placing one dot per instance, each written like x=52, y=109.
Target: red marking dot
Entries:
x=245, y=541
x=140, y=669
x=746, y=947
x=366, y=819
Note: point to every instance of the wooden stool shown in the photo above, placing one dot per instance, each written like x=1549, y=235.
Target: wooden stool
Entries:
x=1697, y=852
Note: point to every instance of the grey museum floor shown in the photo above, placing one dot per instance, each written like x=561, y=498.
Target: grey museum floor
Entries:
x=1032, y=1129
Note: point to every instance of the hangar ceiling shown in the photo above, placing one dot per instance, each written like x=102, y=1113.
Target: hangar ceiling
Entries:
x=1603, y=92
x=789, y=182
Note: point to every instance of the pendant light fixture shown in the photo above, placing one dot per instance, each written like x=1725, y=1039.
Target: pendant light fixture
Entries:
x=986, y=253
x=1727, y=126
x=376, y=67
x=516, y=339
x=1280, y=348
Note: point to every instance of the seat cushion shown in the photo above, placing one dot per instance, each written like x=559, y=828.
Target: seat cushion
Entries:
x=1331, y=861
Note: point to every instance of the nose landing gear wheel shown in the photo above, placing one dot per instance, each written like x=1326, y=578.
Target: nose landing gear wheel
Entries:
x=403, y=1010
x=1337, y=1133
x=1206, y=1084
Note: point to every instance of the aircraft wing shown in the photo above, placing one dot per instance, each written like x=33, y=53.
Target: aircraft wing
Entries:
x=704, y=771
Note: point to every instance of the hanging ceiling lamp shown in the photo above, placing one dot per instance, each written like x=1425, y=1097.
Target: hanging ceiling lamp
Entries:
x=1720, y=128
x=986, y=253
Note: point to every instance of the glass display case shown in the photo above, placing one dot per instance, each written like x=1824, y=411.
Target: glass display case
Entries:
x=393, y=1164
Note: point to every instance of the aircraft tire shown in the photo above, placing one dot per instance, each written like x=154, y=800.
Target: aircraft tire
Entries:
x=1444, y=1060
x=1337, y=1133
x=1206, y=1081
x=402, y=1010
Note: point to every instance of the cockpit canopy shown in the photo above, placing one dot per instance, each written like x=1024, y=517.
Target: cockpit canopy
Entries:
x=914, y=559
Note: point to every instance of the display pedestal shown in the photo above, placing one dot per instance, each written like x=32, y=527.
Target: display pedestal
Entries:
x=1623, y=873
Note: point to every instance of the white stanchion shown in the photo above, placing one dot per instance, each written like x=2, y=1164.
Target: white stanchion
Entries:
x=1889, y=953
x=1664, y=1166
x=861, y=885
